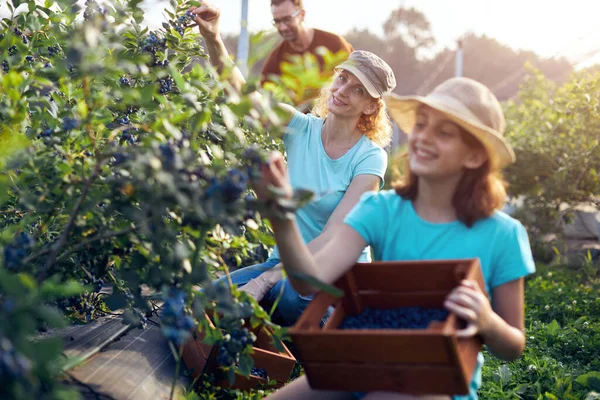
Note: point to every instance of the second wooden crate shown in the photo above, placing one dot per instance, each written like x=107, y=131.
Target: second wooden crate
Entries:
x=201, y=358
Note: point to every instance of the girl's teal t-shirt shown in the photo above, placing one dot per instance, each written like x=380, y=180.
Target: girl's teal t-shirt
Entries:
x=390, y=225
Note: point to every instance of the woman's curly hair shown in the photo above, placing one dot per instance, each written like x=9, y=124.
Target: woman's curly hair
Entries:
x=376, y=126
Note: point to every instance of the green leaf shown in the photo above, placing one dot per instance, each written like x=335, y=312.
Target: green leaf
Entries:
x=231, y=376
x=505, y=374
x=322, y=286
x=116, y=301
x=27, y=281
x=47, y=350
x=245, y=364
x=590, y=380
x=51, y=289
x=176, y=133
x=51, y=315
x=177, y=77
x=553, y=329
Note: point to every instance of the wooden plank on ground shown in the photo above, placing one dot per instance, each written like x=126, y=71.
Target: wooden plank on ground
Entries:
x=85, y=340
x=137, y=366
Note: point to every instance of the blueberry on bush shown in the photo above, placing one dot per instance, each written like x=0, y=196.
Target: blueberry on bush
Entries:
x=53, y=50
x=165, y=85
x=14, y=253
x=46, y=133
x=176, y=324
x=233, y=344
x=232, y=186
x=70, y=124
x=12, y=362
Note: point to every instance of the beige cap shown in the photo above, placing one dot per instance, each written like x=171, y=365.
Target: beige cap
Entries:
x=469, y=104
x=374, y=73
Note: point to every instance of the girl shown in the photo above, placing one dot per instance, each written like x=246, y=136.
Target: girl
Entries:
x=338, y=153
x=446, y=208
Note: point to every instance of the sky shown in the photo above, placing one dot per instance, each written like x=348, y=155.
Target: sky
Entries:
x=548, y=27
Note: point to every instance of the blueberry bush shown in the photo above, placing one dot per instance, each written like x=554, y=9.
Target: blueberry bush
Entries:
x=125, y=163
x=555, y=130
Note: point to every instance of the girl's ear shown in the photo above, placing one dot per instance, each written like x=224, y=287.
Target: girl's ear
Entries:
x=475, y=159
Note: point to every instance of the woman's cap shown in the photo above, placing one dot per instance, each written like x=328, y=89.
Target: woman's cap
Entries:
x=374, y=73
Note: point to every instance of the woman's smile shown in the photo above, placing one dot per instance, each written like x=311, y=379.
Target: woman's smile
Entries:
x=337, y=101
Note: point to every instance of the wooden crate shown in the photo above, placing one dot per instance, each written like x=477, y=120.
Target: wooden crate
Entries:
x=424, y=361
x=201, y=358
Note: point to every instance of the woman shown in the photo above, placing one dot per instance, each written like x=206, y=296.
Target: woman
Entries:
x=446, y=208
x=337, y=153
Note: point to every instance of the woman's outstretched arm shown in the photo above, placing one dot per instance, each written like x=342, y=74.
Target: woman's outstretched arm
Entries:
x=207, y=18
x=336, y=257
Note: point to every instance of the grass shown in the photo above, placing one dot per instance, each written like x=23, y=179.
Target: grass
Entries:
x=562, y=357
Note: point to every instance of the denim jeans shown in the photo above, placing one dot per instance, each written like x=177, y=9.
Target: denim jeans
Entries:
x=291, y=305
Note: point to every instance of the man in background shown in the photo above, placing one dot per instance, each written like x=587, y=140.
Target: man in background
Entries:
x=298, y=40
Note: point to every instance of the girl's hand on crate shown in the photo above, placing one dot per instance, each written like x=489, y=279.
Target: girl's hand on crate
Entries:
x=469, y=303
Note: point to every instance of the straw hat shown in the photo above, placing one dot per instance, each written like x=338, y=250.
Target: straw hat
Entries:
x=467, y=103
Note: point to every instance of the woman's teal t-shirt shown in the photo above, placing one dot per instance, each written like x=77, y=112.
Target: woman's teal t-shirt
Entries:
x=310, y=167
x=390, y=225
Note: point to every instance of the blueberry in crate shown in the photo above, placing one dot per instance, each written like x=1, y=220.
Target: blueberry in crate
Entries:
x=394, y=318
x=260, y=372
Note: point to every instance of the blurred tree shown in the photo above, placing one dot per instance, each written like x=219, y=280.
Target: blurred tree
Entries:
x=411, y=25
x=496, y=65
x=407, y=43
x=593, y=68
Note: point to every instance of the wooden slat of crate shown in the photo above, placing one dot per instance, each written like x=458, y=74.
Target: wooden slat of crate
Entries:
x=410, y=379
x=467, y=352
x=405, y=277
x=138, y=366
x=386, y=346
x=310, y=319
x=433, y=299
x=278, y=365
x=194, y=358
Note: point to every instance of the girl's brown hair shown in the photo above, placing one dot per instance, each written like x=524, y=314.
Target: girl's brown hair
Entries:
x=478, y=194
x=376, y=126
